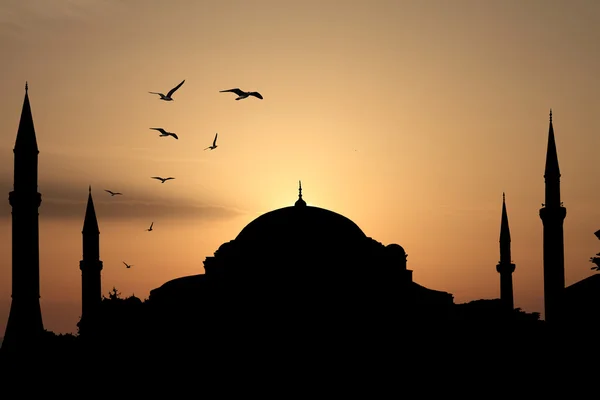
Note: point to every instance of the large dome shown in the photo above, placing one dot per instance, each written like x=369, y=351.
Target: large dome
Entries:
x=301, y=227
x=301, y=223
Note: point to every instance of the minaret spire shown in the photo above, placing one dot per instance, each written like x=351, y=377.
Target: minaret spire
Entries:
x=90, y=223
x=26, y=141
x=505, y=267
x=505, y=255
x=552, y=170
x=553, y=214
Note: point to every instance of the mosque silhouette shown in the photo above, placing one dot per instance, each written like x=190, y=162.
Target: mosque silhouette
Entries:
x=295, y=279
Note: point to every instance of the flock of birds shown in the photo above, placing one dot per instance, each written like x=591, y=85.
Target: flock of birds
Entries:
x=164, y=133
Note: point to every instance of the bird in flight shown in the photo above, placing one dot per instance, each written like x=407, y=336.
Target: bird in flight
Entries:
x=165, y=133
x=151, y=225
x=168, y=96
x=214, y=145
x=127, y=265
x=112, y=193
x=162, y=180
x=241, y=94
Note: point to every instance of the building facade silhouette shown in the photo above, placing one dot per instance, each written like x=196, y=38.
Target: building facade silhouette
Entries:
x=90, y=265
x=299, y=268
x=505, y=267
x=25, y=327
x=553, y=215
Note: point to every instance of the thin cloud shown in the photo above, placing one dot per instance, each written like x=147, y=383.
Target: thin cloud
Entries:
x=62, y=201
x=134, y=209
x=19, y=15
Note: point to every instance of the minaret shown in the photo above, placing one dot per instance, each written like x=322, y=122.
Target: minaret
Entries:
x=90, y=265
x=553, y=214
x=505, y=267
x=24, y=327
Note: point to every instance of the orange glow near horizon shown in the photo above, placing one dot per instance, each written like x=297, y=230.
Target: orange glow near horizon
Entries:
x=409, y=118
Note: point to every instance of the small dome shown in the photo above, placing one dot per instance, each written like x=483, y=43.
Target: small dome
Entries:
x=395, y=249
x=396, y=255
x=300, y=202
x=224, y=248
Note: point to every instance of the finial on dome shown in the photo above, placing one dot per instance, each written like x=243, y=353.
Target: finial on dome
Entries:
x=90, y=189
x=300, y=202
x=550, y=115
x=26, y=87
x=503, y=198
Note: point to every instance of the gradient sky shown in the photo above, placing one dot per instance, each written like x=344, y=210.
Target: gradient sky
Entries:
x=408, y=117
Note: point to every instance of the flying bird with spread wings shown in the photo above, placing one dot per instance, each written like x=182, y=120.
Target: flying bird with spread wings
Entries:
x=168, y=96
x=241, y=94
x=162, y=180
x=151, y=225
x=113, y=193
x=214, y=145
x=127, y=265
x=165, y=133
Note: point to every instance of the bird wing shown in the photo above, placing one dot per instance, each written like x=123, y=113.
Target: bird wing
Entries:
x=256, y=94
x=161, y=130
x=108, y=191
x=156, y=177
x=237, y=91
x=151, y=225
x=174, y=89
x=174, y=135
x=160, y=94
x=169, y=178
x=215, y=141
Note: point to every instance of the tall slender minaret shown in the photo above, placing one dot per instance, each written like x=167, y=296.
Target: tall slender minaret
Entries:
x=553, y=214
x=90, y=265
x=24, y=327
x=505, y=267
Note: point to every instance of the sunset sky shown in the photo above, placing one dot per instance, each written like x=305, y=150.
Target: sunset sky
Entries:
x=408, y=117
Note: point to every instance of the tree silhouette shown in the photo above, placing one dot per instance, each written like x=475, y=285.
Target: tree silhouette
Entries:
x=596, y=261
x=114, y=294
